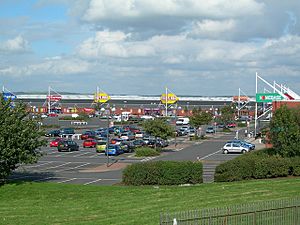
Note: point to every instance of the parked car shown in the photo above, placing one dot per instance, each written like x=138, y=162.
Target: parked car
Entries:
x=235, y=148
x=127, y=136
x=231, y=125
x=53, y=115
x=183, y=121
x=138, y=143
x=113, y=150
x=53, y=133
x=101, y=146
x=250, y=145
x=67, y=131
x=89, y=143
x=88, y=134
x=54, y=143
x=116, y=141
x=210, y=130
x=139, y=134
x=67, y=145
x=130, y=146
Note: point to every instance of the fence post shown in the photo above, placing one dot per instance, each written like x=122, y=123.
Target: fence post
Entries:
x=296, y=215
x=254, y=218
x=174, y=221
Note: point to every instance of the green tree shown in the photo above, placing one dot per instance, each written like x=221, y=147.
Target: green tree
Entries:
x=285, y=132
x=200, y=117
x=158, y=128
x=19, y=138
x=227, y=114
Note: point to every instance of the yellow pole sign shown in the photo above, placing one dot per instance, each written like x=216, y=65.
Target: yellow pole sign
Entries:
x=171, y=98
x=101, y=98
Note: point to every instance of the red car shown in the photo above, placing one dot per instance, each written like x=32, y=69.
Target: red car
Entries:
x=54, y=142
x=231, y=125
x=89, y=143
x=52, y=115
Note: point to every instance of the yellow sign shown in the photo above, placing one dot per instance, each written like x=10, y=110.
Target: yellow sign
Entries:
x=102, y=97
x=171, y=99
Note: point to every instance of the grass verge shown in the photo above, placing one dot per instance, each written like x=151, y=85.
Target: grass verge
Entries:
x=49, y=203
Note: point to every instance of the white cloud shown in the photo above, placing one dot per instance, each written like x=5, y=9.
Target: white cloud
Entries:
x=113, y=44
x=212, y=28
x=115, y=10
x=17, y=44
x=55, y=66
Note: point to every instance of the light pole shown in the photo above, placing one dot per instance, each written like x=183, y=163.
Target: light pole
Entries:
x=107, y=112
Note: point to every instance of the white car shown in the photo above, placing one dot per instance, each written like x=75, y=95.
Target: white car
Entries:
x=183, y=121
x=235, y=148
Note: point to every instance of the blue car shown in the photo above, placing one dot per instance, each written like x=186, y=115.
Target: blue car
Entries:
x=114, y=150
x=245, y=143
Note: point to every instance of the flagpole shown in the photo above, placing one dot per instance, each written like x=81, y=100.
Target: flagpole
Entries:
x=166, y=101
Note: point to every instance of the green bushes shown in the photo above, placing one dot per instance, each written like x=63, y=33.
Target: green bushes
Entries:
x=257, y=165
x=163, y=173
x=146, y=152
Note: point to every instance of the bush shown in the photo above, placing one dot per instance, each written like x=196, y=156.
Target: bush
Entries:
x=256, y=165
x=240, y=124
x=163, y=173
x=295, y=166
x=146, y=152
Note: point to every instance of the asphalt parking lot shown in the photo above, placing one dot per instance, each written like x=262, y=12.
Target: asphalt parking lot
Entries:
x=89, y=168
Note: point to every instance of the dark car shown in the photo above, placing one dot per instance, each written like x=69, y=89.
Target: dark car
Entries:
x=138, y=143
x=130, y=146
x=67, y=145
x=53, y=133
x=67, y=131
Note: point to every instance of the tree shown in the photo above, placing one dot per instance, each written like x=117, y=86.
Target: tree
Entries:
x=200, y=117
x=19, y=138
x=285, y=132
x=227, y=114
x=158, y=128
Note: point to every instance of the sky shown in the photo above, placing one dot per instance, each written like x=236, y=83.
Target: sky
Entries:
x=139, y=47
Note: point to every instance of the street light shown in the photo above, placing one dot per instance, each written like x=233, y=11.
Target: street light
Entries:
x=107, y=112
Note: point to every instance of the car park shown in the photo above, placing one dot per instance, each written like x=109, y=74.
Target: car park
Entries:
x=130, y=146
x=116, y=141
x=113, y=150
x=53, y=133
x=127, y=136
x=139, y=134
x=210, y=130
x=235, y=148
x=54, y=143
x=89, y=143
x=231, y=125
x=67, y=145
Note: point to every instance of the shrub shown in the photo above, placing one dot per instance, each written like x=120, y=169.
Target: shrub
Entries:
x=240, y=124
x=295, y=166
x=163, y=173
x=146, y=152
x=256, y=165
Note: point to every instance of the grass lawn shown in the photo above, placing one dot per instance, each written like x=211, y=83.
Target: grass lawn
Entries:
x=47, y=203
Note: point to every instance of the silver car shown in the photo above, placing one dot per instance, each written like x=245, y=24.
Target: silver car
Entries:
x=235, y=148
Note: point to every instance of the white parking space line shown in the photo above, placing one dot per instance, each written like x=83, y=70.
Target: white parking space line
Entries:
x=66, y=180
x=210, y=155
x=94, y=181
x=73, y=167
x=96, y=155
x=39, y=164
x=48, y=178
x=65, y=153
x=53, y=167
x=82, y=154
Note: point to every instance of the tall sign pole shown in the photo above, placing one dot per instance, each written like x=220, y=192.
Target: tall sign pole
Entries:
x=166, y=101
x=255, y=119
x=49, y=99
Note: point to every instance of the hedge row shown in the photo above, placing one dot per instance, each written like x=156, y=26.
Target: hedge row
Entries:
x=257, y=165
x=163, y=173
x=146, y=152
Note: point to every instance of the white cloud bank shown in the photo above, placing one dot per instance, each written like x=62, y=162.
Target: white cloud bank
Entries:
x=15, y=45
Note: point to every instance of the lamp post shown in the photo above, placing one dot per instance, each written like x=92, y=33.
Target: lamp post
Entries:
x=107, y=112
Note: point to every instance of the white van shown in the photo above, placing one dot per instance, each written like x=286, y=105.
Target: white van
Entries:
x=183, y=121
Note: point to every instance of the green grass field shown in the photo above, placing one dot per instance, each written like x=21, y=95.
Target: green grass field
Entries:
x=46, y=203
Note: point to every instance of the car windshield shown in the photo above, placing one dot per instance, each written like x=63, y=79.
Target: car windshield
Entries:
x=101, y=143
